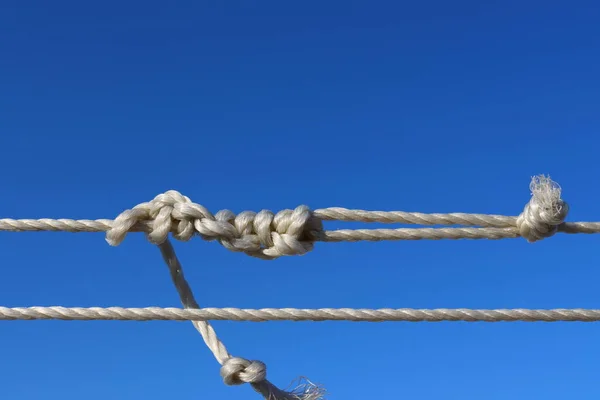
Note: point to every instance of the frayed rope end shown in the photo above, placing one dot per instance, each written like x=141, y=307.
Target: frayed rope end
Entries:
x=302, y=389
x=544, y=212
x=546, y=193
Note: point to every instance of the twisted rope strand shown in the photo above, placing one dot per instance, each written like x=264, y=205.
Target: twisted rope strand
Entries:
x=294, y=314
x=293, y=232
x=103, y=225
x=189, y=302
x=336, y=235
x=377, y=235
x=415, y=218
x=234, y=370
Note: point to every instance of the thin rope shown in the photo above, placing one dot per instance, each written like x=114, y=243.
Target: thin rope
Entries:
x=293, y=232
x=234, y=370
x=295, y=314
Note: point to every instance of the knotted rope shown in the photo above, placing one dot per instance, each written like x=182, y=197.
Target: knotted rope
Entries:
x=293, y=232
x=545, y=211
x=234, y=370
x=264, y=234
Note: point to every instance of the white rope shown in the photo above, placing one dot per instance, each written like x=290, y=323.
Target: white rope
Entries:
x=295, y=314
x=234, y=370
x=293, y=232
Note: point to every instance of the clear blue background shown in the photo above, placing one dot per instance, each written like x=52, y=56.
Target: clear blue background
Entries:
x=419, y=106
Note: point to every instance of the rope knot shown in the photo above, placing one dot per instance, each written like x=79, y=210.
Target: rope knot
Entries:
x=165, y=215
x=265, y=234
x=544, y=212
x=237, y=371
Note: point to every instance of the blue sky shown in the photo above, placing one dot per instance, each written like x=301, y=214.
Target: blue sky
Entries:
x=417, y=106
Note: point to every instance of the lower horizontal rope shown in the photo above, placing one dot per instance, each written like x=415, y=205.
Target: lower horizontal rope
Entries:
x=294, y=314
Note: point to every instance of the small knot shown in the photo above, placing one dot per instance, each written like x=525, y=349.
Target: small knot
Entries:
x=237, y=371
x=264, y=234
x=544, y=212
x=159, y=217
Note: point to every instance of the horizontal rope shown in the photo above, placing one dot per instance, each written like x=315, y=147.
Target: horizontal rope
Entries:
x=337, y=235
x=293, y=232
x=294, y=314
x=104, y=225
x=326, y=214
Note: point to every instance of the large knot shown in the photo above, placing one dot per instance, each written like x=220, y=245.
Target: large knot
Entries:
x=264, y=234
x=237, y=371
x=544, y=212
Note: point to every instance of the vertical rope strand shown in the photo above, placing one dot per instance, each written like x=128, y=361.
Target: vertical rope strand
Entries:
x=234, y=370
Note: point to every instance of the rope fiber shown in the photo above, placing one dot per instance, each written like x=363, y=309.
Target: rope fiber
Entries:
x=269, y=236
x=293, y=232
x=294, y=314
